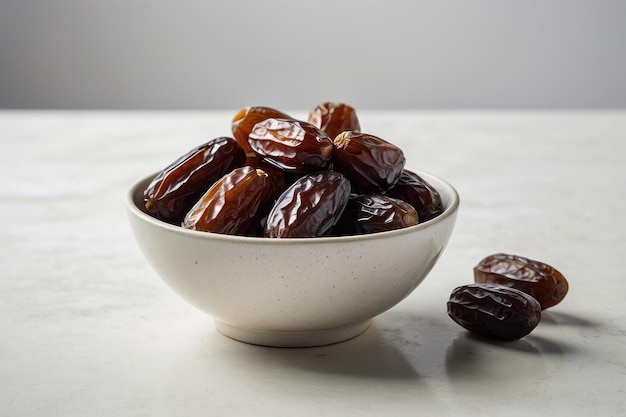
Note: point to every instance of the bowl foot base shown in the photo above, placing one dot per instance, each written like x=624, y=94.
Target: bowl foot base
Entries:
x=308, y=338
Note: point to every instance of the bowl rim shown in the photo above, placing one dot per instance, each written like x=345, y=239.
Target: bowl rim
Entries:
x=132, y=208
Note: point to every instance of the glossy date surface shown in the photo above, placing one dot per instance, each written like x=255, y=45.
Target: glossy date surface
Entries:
x=334, y=118
x=310, y=207
x=494, y=311
x=233, y=204
x=375, y=213
x=372, y=164
x=419, y=193
x=291, y=145
x=536, y=278
x=245, y=119
x=177, y=188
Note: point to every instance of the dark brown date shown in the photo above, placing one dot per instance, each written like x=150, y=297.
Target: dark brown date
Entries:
x=375, y=213
x=535, y=278
x=233, y=203
x=246, y=118
x=372, y=164
x=291, y=145
x=334, y=118
x=419, y=193
x=176, y=189
x=310, y=207
x=494, y=311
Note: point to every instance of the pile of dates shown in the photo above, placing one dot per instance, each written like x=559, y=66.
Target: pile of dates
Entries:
x=507, y=296
x=279, y=177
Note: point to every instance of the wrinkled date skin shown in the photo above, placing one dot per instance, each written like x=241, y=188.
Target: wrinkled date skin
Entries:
x=419, y=193
x=334, y=118
x=176, y=189
x=494, y=311
x=246, y=118
x=280, y=179
x=291, y=145
x=538, y=279
x=375, y=213
x=233, y=204
x=372, y=164
x=310, y=207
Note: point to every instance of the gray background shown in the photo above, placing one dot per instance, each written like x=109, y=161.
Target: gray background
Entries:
x=186, y=54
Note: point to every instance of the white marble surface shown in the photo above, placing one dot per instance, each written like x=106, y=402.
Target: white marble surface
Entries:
x=88, y=329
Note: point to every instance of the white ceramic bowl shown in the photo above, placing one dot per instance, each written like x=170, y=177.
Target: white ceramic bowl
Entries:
x=292, y=292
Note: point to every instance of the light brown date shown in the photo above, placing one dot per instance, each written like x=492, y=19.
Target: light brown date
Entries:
x=535, y=278
x=334, y=118
x=176, y=189
x=372, y=164
x=291, y=145
x=233, y=204
x=246, y=118
x=310, y=207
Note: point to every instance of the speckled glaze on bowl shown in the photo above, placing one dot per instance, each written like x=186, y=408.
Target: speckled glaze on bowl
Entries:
x=292, y=292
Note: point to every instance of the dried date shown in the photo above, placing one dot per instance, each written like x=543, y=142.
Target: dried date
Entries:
x=419, y=193
x=334, y=118
x=538, y=279
x=246, y=118
x=375, y=213
x=291, y=145
x=372, y=164
x=234, y=204
x=171, y=194
x=310, y=207
x=279, y=178
x=494, y=311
